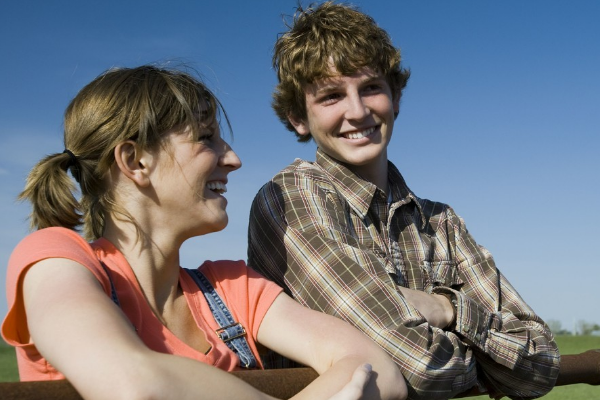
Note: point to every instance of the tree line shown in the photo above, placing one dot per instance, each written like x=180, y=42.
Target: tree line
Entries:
x=581, y=328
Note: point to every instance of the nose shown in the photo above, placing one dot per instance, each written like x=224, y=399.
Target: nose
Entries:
x=356, y=109
x=229, y=159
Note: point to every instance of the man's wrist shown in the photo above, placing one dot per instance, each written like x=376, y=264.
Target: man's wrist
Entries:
x=452, y=299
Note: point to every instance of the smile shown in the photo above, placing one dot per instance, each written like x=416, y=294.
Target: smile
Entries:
x=358, y=135
x=217, y=187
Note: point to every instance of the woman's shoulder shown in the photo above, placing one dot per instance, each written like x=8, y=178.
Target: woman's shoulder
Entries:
x=50, y=242
x=52, y=232
x=235, y=276
x=43, y=244
x=54, y=242
x=225, y=269
x=247, y=293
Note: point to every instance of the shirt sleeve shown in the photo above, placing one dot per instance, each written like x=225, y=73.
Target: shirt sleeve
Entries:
x=514, y=348
x=46, y=243
x=245, y=291
x=299, y=237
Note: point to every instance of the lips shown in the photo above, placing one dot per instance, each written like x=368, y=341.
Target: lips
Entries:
x=358, y=135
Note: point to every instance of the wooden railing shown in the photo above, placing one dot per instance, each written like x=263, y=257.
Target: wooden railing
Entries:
x=285, y=383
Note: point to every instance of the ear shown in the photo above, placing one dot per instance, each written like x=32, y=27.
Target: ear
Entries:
x=396, y=105
x=133, y=162
x=300, y=125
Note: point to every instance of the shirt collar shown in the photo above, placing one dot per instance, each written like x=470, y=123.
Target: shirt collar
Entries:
x=401, y=194
x=359, y=192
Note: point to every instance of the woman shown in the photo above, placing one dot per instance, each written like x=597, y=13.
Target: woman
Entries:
x=118, y=317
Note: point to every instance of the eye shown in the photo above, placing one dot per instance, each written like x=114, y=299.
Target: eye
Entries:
x=206, y=137
x=373, y=88
x=329, y=98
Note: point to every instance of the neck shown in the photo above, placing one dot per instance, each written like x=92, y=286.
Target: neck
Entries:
x=376, y=174
x=154, y=259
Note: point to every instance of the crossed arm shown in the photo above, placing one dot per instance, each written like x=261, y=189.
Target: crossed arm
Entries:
x=82, y=333
x=300, y=237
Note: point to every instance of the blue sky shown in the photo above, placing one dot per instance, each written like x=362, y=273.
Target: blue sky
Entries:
x=500, y=119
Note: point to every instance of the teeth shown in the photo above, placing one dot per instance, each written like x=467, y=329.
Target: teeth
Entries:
x=359, y=135
x=217, y=186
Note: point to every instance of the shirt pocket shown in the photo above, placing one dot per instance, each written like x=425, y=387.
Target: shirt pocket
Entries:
x=440, y=273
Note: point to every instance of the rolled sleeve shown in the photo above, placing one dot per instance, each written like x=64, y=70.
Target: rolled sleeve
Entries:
x=302, y=236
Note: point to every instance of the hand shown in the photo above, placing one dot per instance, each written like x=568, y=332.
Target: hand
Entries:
x=354, y=389
x=437, y=309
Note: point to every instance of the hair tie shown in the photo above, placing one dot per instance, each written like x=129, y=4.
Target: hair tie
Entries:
x=73, y=164
x=72, y=158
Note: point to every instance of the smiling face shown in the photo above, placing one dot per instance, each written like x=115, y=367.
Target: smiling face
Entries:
x=351, y=119
x=191, y=179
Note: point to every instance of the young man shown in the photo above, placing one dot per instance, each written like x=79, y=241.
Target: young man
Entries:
x=346, y=236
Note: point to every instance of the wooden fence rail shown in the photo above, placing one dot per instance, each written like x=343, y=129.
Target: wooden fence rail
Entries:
x=285, y=383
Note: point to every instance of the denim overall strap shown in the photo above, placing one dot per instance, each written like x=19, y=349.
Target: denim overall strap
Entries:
x=230, y=332
x=113, y=291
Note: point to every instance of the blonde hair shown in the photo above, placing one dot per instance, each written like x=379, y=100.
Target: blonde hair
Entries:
x=139, y=104
x=327, y=32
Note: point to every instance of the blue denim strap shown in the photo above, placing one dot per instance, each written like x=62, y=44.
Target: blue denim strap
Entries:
x=230, y=332
x=113, y=291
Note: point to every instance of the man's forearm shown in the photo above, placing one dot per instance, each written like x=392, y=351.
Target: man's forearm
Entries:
x=438, y=310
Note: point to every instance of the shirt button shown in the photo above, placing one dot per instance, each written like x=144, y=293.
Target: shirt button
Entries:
x=467, y=329
x=478, y=337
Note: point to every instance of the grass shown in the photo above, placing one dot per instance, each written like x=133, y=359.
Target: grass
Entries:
x=566, y=344
x=8, y=363
x=571, y=345
x=575, y=345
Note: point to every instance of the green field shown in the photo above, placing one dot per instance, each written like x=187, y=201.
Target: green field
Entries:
x=8, y=363
x=566, y=344
x=571, y=345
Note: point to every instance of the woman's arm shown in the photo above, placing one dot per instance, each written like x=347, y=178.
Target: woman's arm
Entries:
x=82, y=333
x=332, y=347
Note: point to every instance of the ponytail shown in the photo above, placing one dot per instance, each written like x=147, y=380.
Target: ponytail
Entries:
x=50, y=191
x=139, y=104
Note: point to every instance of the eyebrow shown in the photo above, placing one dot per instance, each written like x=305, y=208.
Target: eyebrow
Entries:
x=332, y=84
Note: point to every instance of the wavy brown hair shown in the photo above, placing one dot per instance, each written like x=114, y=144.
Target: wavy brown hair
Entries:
x=139, y=104
x=318, y=34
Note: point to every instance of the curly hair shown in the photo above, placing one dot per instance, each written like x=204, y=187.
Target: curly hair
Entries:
x=326, y=35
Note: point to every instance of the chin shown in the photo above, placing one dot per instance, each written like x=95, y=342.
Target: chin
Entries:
x=210, y=227
x=220, y=225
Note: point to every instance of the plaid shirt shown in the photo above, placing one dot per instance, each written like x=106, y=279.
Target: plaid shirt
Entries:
x=337, y=246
